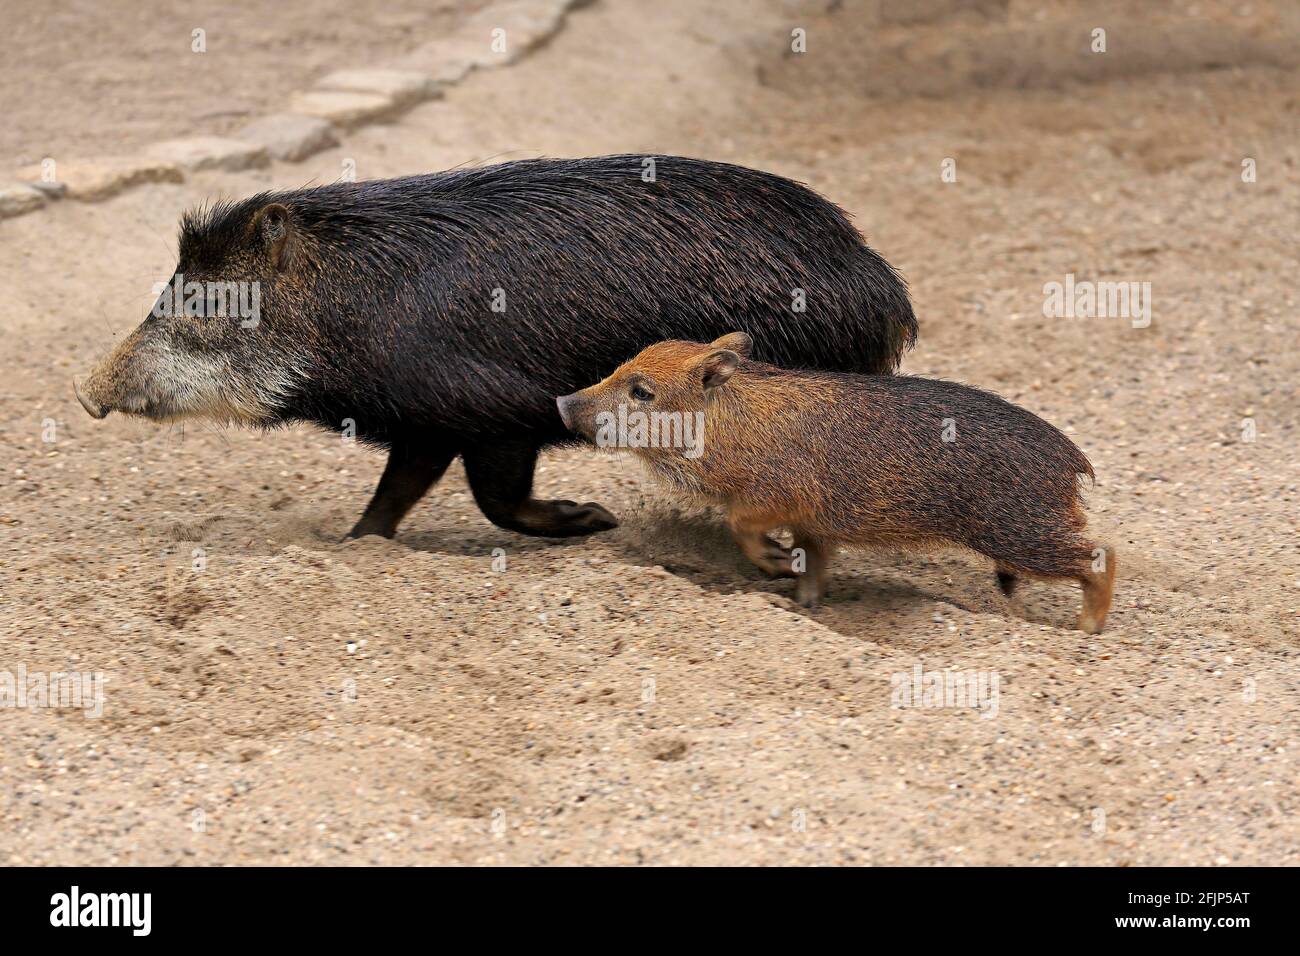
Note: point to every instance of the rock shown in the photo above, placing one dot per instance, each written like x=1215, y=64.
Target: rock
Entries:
x=343, y=109
x=91, y=180
x=50, y=190
x=447, y=60
x=210, y=152
x=290, y=136
x=403, y=87
x=526, y=24
x=18, y=198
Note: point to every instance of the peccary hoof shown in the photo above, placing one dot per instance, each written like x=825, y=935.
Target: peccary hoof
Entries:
x=364, y=528
x=808, y=594
x=571, y=520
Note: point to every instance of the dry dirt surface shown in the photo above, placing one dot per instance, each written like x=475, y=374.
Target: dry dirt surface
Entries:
x=465, y=695
x=104, y=76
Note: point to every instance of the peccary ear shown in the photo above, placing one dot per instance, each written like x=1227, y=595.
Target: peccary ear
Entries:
x=738, y=342
x=717, y=367
x=274, y=229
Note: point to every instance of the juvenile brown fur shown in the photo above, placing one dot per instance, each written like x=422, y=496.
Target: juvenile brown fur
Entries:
x=861, y=460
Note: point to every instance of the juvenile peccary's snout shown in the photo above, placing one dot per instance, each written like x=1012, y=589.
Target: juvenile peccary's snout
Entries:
x=565, y=405
x=573, y=412
x=859, y=460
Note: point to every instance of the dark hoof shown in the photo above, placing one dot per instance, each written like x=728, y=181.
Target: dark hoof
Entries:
x=363, y=528
x=583, y=519
x=808, y=596
x=561, y=519
x=1007, y=583
x=555, y=519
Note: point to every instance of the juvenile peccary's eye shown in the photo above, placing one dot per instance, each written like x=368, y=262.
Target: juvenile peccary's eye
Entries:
x=641, y=393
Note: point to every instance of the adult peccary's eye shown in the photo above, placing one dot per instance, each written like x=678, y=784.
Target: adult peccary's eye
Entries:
x=641, y=393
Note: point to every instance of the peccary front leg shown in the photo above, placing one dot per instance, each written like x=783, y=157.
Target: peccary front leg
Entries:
x=1007, y=579
x=766, y=554
x=812, y=575
x=412, y=468
x=501, y=476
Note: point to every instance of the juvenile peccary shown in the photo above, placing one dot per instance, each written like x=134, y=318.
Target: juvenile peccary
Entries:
x=851, y=459
x=440, y=315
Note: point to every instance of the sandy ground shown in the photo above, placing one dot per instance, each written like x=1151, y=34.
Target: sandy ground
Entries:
x=105, y=76
x=642, y=696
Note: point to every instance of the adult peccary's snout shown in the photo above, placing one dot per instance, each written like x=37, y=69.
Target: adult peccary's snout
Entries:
x=117, y=383
x=141, y=376
x=94, y=409
x=168, y=369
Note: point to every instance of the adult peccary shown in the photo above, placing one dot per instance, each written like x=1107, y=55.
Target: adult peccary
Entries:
x=440, y=315
x=852, y=459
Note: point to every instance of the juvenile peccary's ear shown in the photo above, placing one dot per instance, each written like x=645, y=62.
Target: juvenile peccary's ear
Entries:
x=738, y=342
x=273, y=227
x=717, y=367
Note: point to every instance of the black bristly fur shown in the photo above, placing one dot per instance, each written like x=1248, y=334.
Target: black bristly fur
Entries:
x=385, y=298
x=394, y=281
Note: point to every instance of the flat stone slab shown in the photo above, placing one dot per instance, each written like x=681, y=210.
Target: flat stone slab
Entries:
x=341, y=108
x=50, y=190
x=18, y=198
x=447, y=60
x=526, y=23
x=290, y=136
x=403, y=87
x=210, y=152
x=91, y=180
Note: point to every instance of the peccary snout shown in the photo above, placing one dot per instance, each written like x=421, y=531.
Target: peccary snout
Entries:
x=127, y=378
x=109, y=386
x=565, y=405
x=94, y=409
x=163, y=375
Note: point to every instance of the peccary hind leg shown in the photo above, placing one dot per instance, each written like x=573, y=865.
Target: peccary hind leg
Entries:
x=501, y=476
x=412, y=469
x=1098, y=586
x=1097, y=580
